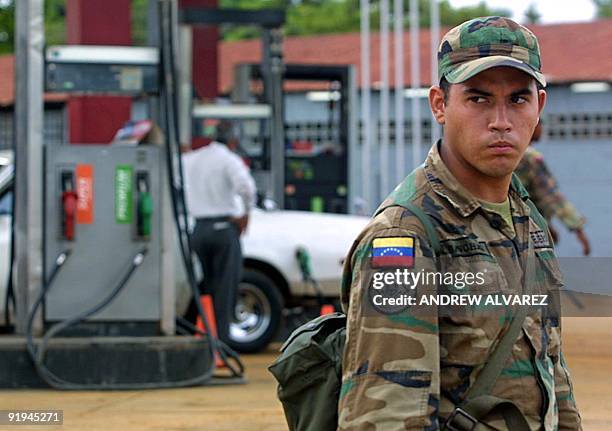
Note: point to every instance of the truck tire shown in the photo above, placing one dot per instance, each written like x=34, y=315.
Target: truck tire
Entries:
x=258, y=311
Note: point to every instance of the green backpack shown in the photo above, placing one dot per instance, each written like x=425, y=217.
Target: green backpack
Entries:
x=309, y=369
x=309, y=372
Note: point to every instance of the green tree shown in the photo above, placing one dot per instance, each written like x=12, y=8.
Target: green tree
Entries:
x=450, y=16
x=7, y=27
x=230, y=32
x=54, y=24
x=532, y=16
x=604, y=8
x=341, y=16
x=139, y=21
x=304, y=17
x=325, y=17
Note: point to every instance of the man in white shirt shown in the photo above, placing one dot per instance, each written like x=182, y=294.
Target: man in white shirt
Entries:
x=220, y=192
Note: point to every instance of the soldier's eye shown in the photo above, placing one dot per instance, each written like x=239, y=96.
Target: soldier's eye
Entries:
x=518, y=99
x=478, y=99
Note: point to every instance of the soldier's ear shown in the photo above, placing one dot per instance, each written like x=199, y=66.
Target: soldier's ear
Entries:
x=437, y=100
x=541, y=101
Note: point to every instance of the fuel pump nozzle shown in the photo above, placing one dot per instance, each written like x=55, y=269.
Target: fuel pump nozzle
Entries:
x=145, y=205
x=69, y=206
x=304, y=261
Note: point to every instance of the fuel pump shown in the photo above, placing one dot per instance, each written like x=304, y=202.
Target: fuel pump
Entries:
x=315, y=173
x=102, y=251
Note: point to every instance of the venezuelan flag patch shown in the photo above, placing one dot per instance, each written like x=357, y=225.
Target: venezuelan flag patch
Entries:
x=393, y=252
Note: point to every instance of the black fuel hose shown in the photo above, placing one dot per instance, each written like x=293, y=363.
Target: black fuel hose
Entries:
x=169, y=16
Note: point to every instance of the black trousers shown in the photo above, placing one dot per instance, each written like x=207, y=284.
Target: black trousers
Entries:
x=216, y=241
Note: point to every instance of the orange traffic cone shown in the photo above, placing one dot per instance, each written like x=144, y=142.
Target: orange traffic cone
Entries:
x=327, y=309
x=209, y=311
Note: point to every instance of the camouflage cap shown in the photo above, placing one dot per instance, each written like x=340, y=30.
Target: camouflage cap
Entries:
x=483, y=43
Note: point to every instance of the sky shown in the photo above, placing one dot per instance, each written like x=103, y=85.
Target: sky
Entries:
x=552, y=11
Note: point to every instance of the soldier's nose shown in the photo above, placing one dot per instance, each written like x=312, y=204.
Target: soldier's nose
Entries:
x=500, y=122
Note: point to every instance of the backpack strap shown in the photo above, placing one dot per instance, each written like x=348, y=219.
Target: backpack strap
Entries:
x=478, y=403
x=535, y=213
x=430, y=230
x=488, y=375
x=466, y=417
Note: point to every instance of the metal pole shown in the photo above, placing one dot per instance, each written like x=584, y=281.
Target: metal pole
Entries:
x=273, y=81
x=400, y=162
x=28, y=141
x=153, y=40
x=185, y=79
x=384, y=98
x=365, y=104
x=352, y=133
x=415, y=82
x=168, y=289
x=435, y=41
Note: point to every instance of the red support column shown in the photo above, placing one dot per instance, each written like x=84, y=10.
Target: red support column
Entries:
x=205, y=60
x=94, y=119
x=205, y=65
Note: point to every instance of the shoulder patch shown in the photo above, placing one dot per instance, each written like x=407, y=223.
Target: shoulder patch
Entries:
x=393, y=252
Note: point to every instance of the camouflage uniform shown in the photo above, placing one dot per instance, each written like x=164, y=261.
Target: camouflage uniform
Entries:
x=544, y=190
x=408, y=370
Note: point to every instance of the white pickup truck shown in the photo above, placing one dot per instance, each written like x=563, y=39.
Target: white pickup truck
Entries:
x=272, y=278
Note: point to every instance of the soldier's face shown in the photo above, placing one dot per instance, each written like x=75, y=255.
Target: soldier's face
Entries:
x=489, y=120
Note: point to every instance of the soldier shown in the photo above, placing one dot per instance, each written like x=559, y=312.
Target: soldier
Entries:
x=411, y=367
x=544, y=191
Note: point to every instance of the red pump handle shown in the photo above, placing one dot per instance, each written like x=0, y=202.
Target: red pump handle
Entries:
x=69, y=205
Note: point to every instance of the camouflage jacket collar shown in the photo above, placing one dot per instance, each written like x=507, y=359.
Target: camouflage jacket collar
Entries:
x=444, y=183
